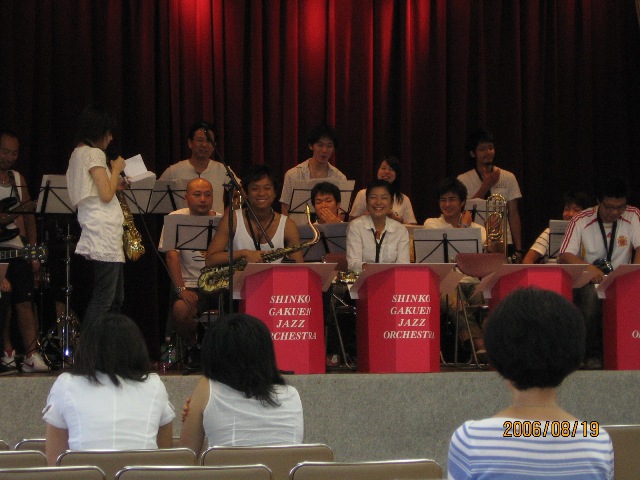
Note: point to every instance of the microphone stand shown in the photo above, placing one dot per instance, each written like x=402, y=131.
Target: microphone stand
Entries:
x=230, y=187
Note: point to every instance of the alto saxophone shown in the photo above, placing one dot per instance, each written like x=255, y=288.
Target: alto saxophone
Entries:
x=496, y=224
x=131, y=238
x=216, y=279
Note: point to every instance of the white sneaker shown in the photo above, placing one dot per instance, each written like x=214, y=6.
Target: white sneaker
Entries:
x=9, y=359
x=34, y=364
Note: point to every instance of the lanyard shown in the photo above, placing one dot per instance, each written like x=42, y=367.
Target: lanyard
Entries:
x=378, y=243
x=608, y=246
x=488, y=194
x=256, y=243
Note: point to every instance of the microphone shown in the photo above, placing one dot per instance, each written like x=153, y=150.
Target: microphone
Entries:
x=126, y=180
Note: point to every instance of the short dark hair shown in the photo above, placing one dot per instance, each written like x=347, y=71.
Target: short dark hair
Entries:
x=94, y=123
x=257, y=172
x=395, y=165
x=113, y=345
x=378, y=183
x=613, y=187
x=322, y=131
x=576, y=197
x=452, y=185
x=201, y=124
x=326, y=188
x=237, y=350
x=475, y=138
x=535, y=338
x=9, y=133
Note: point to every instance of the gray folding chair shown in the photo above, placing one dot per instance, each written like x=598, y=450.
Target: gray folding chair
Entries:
x=234, y=472
x=421, y=469
x=22, y=459
x=53, y=473
x=626, y=450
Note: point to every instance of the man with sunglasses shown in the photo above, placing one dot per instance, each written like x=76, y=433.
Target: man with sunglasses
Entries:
x=605, y=236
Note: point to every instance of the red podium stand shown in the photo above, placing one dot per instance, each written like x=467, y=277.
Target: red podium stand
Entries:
x=399, y=317
x=621, y=322
x=558, y=278
x=288, y=299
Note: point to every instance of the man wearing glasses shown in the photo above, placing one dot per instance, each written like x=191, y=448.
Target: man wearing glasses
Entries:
x=605, y=236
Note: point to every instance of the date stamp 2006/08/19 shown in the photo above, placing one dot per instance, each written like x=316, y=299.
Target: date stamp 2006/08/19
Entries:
x=554, y=428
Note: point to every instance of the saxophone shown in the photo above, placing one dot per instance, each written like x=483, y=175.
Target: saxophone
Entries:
x=216, y=279
x=131, y=238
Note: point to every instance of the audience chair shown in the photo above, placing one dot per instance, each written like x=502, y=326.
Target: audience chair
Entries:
x=112, y=461
x=235, y=472
x=279, y=459
x=383, y=470
x=53, y=473
x=31, y=444
x=475, y=265
x=22, y=459
x=3, y=445
x=626, y=450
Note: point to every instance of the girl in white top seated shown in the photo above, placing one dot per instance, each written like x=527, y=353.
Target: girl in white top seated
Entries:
x=242, y=399
x=376, y=238
x=388, y=169
x=109, y=400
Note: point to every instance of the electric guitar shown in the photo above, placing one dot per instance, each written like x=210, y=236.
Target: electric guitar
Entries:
x=29, y=252
x=7, y=216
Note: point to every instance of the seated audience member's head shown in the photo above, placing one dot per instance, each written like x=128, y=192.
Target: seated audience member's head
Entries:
x=574, y=201
x=535, y=338
x=238, y=351
x=326, y=195
x=112, y=345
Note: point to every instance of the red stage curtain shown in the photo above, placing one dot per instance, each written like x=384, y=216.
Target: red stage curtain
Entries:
x=557, y=82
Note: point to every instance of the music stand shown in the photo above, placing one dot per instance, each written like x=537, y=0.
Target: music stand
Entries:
x=478, y=209
x=138, y=194
x=301, y=196
x=442, y=245
x=187, y=232
x=557, y=228
x=54, y=198
x=315, y=252
x=168, y=196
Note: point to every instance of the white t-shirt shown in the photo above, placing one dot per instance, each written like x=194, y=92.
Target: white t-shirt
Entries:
x=191, y=261
x=232, y=419
x=302, y=172
x=109, y=417
x=101, y=237
x=583, y=237
x=215, y=173
x=403, y=210
x=361, y=243
x=242, y=239
x=507, y=186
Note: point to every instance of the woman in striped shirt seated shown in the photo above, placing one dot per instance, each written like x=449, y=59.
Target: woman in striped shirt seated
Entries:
x=534, y=339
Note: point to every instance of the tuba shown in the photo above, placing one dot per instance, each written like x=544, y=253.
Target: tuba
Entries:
x=216, y=279
x=131, y=238
x=495, y=224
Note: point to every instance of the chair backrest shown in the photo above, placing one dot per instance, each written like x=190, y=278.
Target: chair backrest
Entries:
x=4, y=445
x=235, y=472
x=53, y=473
x=626, y=450
x=479, y=264
x=280, y=459
x=22, y=459
x=31, y=444
x=385, y=470
x=112, y=461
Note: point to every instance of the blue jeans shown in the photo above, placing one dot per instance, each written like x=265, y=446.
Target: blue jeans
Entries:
x=108, y=290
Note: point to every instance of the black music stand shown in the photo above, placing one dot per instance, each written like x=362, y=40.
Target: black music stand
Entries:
x=53, y=198
x=168, y=196
x=301, y=196
x=557, y=229
x=333, y=239
x=478, y=209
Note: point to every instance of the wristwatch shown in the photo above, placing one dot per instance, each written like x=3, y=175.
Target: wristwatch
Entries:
x=179, y=290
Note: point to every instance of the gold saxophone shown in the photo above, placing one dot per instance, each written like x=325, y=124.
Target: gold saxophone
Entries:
x=216, y=279
x=131, y=238
x=496, y=224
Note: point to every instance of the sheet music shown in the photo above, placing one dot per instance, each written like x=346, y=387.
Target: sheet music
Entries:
x=54, y=192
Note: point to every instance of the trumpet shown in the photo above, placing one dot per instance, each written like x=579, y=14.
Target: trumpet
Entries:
x=495, y=224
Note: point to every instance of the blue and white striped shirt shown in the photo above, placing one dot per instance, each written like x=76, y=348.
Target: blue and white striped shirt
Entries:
x=479, y=450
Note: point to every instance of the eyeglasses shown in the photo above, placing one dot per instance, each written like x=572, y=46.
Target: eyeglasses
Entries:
x=614, y=208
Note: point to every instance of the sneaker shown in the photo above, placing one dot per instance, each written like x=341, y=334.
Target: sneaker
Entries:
x=9, y=359
x=333, y=361
x=34, y=364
